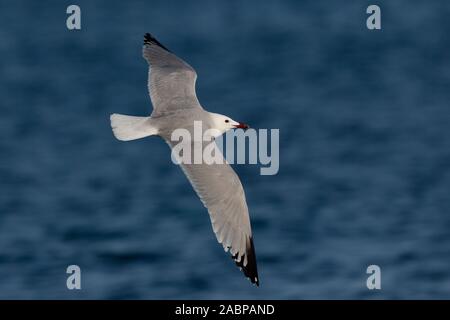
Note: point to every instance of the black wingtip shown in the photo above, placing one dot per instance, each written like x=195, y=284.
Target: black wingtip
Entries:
x=149, y=40
x=250, y=270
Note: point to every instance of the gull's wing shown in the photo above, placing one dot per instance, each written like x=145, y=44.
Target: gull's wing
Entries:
x=221, y=192
x=171, y=81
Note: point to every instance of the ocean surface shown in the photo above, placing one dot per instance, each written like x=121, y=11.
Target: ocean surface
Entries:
x=364, y=119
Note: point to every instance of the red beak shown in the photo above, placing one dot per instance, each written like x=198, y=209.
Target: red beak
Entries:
x=242, y=126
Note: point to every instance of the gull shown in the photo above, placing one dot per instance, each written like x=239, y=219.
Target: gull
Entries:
x=171, y=85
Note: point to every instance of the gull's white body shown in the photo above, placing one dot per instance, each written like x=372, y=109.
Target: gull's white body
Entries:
x=175, y=105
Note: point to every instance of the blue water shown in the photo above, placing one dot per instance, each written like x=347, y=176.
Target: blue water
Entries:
x=364, y=150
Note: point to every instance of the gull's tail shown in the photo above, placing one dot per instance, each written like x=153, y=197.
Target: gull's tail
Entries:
x=126, y=128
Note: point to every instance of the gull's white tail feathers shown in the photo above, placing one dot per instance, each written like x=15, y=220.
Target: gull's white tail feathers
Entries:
x=126, y=128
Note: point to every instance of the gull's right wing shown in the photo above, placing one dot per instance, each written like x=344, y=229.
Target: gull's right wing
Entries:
x=220, y=189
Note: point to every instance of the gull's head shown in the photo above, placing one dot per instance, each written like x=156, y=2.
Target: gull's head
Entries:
x=224, y=123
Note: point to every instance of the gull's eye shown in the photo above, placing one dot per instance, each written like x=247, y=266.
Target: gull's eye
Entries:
x=226, y=121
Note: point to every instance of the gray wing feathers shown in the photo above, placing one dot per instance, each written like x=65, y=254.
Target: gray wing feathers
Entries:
x=171, y=81
x=220, y=190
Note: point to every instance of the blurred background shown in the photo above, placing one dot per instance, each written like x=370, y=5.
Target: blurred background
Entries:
x=364, y=150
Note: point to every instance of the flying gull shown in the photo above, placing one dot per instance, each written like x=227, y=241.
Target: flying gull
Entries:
x=171, y=84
